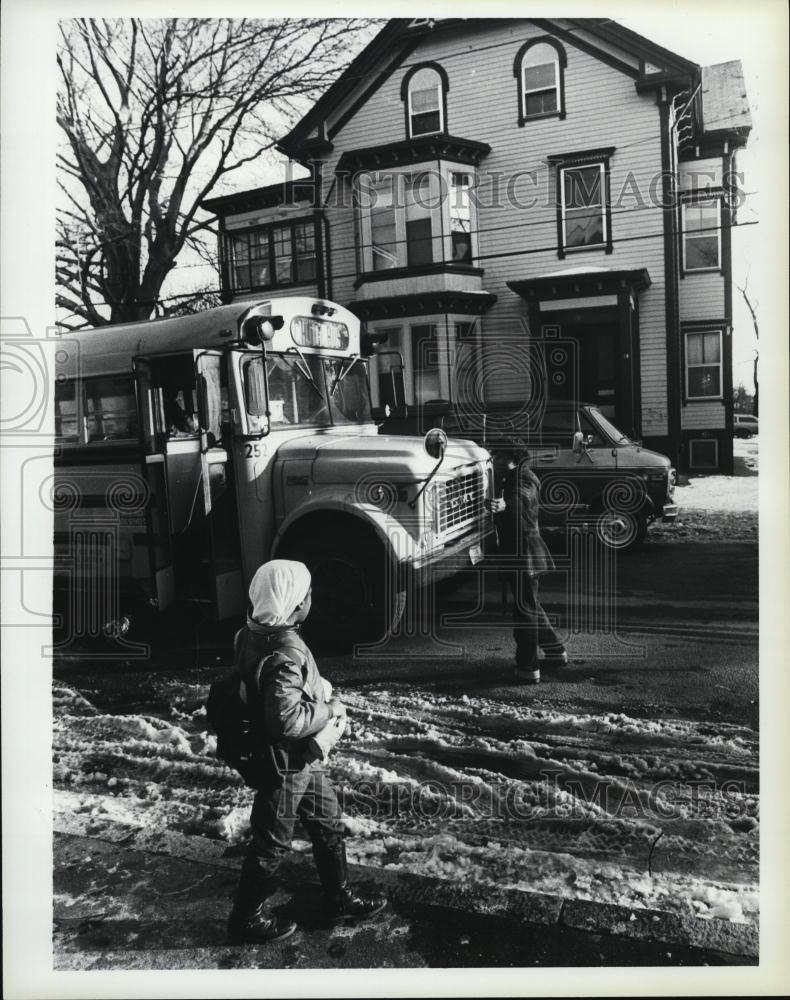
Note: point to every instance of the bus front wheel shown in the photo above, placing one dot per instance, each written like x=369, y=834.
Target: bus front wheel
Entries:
x=356, y=596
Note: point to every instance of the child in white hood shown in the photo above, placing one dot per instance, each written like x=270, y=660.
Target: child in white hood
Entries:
x=289, y=704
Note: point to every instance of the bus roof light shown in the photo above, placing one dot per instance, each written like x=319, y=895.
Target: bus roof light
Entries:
x=322, y=309
x=257, y=330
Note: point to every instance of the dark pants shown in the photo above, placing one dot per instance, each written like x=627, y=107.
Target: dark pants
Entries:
x=307, y=795
x=531, y=627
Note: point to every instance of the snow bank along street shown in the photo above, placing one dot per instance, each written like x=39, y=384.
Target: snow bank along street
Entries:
x=660, y=814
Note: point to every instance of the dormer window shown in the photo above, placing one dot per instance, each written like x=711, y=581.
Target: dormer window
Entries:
x=424, y=92
x=539, y=68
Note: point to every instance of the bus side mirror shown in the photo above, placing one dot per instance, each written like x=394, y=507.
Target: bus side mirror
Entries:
x=256, y=404
x=435, y=443
x=370, y=340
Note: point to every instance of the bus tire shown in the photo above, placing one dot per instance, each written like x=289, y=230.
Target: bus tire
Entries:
x=356, y=596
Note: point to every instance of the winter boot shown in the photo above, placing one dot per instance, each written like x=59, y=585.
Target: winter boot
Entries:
x=249, y=921
x=341, y=901
x=527, y=675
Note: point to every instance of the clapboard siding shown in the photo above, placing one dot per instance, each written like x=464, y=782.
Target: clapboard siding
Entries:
x=516, y=185
x=703, y=416
x=702, y=296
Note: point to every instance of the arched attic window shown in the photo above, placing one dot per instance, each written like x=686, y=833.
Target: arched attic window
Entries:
x=424, y=94
x=539, y=68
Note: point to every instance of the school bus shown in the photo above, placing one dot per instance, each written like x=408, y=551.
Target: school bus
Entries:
x=192, y=449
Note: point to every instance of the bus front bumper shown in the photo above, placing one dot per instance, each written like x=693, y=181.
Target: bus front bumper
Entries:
x=447, y=560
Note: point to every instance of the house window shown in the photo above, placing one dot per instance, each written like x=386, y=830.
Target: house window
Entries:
x=414, y=219
x=424, y=92
x=383, y=237
x=460, y=218
x=539, y=69
x=418, y=220
x=703, y=365
x=583, y=206
x=702, y=235
x=272, y=256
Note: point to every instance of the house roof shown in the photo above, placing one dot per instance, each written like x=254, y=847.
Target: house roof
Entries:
x=725, y=106
x=400, y=36
x=270, y=196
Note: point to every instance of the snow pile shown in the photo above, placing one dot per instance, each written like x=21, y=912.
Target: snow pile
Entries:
x=646, y=812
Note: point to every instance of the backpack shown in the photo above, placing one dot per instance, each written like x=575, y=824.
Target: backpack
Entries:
x=241, y=742
x=238, y=743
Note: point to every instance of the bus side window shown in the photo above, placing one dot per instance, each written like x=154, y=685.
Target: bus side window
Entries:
x=111, y=413
x=66, y=416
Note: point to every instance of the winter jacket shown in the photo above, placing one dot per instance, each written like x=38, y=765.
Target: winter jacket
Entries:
x=284, y=692
x=517, y=526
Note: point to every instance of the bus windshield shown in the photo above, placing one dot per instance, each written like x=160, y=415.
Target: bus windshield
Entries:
x=308, y=390
x=349, y=394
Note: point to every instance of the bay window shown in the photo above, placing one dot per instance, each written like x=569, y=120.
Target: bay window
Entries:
x=413, y=219
x=272, y=256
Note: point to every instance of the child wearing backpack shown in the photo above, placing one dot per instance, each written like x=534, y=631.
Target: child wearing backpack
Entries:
x=288, y=704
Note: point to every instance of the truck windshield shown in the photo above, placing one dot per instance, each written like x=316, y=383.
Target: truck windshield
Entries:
x=349, y=396
x=609, y=428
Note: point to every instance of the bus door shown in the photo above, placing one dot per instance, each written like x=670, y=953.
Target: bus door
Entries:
x=183, y=455
x=219, y=497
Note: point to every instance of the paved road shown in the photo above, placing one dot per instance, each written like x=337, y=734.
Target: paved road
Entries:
x=672, y=629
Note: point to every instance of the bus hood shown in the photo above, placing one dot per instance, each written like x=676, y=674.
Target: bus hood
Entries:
x=346, y=458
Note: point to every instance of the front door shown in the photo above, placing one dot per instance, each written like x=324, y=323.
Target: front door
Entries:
x=583, y=361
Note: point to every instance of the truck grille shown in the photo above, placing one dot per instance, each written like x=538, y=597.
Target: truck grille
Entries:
x=460, y=501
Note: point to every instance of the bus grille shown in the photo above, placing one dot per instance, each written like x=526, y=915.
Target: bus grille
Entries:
x=460, y=501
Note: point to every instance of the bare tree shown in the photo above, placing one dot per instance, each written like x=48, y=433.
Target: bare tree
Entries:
x=752, y=307
x=154, y=113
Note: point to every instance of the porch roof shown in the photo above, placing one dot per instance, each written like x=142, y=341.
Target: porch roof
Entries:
x=581, y=281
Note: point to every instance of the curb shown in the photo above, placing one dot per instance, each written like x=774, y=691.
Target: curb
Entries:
x=407, y=888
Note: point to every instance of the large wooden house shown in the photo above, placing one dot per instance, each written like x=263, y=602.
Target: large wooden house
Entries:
x=530, y=209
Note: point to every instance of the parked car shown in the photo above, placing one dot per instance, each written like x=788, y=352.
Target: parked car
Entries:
x=744, y=425
x=592, y=474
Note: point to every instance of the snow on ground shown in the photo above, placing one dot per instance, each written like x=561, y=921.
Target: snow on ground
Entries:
x=726, y=493
x=721, y=508
x=643, y=812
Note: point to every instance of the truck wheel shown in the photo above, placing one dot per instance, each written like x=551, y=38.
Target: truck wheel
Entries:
x=355, y=595
x=621, y=531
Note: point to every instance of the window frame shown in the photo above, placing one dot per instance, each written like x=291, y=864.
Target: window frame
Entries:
x=271, y=258
x=584, y=162
x=83, y=413
x=701, y=332
x=560, y=64
x=708, y=199
x=439, y=212
x=406, y=92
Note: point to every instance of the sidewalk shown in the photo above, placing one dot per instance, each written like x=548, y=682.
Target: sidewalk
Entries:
x=118, y=905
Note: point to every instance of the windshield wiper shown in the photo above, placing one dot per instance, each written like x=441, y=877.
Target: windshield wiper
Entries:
x=345, y=371
x=303, y=369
